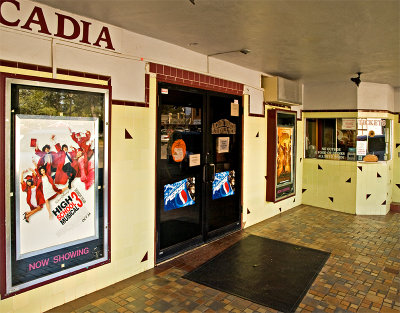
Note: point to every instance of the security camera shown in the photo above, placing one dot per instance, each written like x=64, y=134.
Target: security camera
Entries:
x=356, y=80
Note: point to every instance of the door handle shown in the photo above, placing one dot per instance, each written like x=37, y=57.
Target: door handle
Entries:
x=213, y=175
x=206, y=173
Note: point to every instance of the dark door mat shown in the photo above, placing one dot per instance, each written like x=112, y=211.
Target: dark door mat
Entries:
x=271, y=273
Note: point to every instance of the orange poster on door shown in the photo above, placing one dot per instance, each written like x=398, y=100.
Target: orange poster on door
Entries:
x=178, y=150
x=284, y=155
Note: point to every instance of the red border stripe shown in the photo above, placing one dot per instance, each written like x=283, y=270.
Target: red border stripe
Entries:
x=179, y=76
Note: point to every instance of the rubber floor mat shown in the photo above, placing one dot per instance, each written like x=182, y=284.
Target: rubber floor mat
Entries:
x=271, y=273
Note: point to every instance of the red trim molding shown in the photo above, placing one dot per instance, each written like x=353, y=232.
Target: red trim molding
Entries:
x=48, y=69
x=129, y=103
x=256, y=115
x=278, y=105
x=146, y=89
x=26, y=66
x=395, y=207
x=178, y=76
x=2, y=187
x=62, y=71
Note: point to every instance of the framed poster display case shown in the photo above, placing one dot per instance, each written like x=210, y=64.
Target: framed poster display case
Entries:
x=281, y=154
x=55, y=180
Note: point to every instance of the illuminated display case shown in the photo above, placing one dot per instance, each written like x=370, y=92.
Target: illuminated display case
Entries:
x=55, y=221
x=281, y=155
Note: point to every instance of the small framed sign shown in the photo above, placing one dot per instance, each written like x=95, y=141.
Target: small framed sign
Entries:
x=222, y=144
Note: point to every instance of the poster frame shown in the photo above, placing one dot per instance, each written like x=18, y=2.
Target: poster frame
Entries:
x=272, y=151
x=6, y=80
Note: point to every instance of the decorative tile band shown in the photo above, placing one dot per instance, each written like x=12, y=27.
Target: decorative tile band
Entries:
x=48, y=69
x=26, y=66
x=128, y=103
x=178, y=76
x=82, y=74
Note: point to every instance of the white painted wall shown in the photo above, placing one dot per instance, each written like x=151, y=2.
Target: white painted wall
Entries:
x=372, y=96
x=154, y=50
x=127, y=74
x=346, y=96
x=24, y=47
x=330, y=96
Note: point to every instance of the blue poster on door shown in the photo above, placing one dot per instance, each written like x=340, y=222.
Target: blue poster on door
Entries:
x=179, y=194
x=223, y=185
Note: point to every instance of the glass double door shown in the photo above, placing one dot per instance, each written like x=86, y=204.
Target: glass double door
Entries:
x=198, y=167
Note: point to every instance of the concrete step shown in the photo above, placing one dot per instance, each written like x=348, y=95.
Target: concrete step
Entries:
x=395, y=207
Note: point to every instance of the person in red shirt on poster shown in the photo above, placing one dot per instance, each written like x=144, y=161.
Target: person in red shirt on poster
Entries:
x=84, y=157
x=34, y=195
x=66, y=165
x=47, y=187
x=85, y=168
x=82, y=140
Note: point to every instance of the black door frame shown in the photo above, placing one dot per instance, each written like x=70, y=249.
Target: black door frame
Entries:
x=224, y=230
x=205, y=236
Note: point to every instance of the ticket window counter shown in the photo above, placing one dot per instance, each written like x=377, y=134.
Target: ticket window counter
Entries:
x=348, y=139
x=338, y=170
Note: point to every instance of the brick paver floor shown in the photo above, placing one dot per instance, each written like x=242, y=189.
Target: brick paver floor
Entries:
x=361, y=275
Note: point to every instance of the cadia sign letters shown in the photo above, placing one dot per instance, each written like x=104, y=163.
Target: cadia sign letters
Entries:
x=67, y=27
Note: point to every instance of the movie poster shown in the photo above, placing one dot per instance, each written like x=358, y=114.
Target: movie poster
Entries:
x=223, y=185
x=284, y=155
x=55, y=182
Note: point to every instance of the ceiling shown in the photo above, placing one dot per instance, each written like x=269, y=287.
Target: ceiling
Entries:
x=311, y=40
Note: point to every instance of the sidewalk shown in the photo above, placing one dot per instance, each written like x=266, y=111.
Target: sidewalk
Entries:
x=361, y=275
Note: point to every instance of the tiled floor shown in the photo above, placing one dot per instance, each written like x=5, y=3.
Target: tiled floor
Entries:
x=361, y=275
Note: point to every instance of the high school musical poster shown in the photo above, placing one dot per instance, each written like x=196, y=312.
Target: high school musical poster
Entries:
x=55, y=182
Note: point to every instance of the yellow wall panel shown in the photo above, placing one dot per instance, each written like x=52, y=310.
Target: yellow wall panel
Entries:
x=255, y=170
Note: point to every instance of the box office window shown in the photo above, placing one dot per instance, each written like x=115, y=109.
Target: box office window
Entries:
x=374, y=137
x=347, y=138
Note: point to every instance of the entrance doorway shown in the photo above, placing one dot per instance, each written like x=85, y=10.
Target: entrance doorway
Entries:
x=199, y=167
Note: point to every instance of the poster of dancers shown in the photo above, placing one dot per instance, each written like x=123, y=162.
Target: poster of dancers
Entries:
x=55, y=182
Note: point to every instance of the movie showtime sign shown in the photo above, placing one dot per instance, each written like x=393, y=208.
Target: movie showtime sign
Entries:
x=28, y=16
